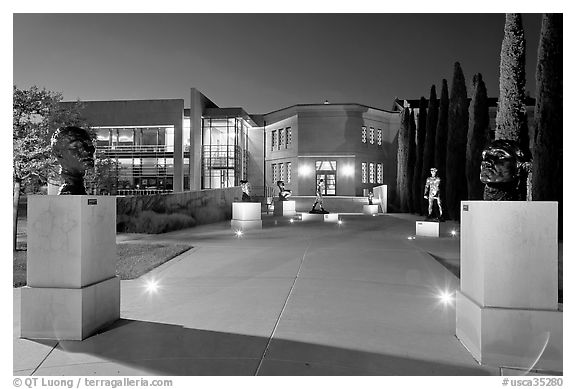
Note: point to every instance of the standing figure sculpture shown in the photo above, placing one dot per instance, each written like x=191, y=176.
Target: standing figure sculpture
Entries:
x=319, y=200
x=283, y=193
x=245, y=185
x=505, y=171
x=73, y=148
x=432, y=192
x=370, y=197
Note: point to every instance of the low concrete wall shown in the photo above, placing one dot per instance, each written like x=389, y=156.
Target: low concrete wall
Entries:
x=205, y=206
x=345, y=204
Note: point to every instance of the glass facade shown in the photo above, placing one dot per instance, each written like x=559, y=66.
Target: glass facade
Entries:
x=224, y=152
x=144, y=155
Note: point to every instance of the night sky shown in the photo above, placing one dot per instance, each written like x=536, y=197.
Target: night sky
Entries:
x=261, y=62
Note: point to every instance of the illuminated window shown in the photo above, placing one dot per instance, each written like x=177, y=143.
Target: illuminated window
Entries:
x=371, y=173
x=379, y=178
x=288, y=137
x=379, y=137
x=288, y=172
x=273, y=139
x=274, y=173
x=280, y=138
x=364, y=168
x=281, y=168
x=371, y=136
x=363, y=134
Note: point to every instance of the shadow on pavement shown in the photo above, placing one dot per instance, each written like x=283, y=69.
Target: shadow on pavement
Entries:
x=172, y=350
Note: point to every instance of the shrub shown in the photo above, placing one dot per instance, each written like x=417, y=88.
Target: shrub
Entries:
x=150, y=222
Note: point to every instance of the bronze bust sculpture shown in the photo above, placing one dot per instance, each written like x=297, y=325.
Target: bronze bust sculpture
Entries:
x=504, y=171
x=73, y=148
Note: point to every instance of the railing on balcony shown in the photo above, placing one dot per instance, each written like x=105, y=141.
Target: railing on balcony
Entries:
x=221, y=156
x=140, y=192
x=137, y=148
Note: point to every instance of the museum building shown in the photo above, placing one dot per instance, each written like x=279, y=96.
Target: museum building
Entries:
x=161, y=146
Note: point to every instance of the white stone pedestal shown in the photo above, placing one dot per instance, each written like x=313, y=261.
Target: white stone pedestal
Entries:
x=246, y=216
x=507, y=307
x=72, y=290
x=284, y=208
x=381, y=197
x=368, y=209
x=307, y=217
x=331, y=217
x=425, y=228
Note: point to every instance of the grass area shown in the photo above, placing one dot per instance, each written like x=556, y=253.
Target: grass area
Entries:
x=134, y=259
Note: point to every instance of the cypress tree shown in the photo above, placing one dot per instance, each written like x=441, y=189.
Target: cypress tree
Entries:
x=402, y=165
x=511, y=121
x=417, y=185
x=455, y=182
x=547, y=164
x=478, y=137
x=442, y=136
x=411, y=163
x=428, y=158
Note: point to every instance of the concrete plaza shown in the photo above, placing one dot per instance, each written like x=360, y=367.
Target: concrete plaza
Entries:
x=302, y=298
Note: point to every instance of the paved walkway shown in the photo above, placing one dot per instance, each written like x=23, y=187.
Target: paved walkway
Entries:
x=292, y=299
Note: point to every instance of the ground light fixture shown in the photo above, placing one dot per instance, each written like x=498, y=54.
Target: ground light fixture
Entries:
x=151, y=286
x=291, y=220
x=453, y=232
x=411, y=237
x=238, y=233
x=446, y=297
x=340, y=222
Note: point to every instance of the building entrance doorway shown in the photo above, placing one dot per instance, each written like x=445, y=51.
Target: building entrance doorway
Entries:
x=326, y=170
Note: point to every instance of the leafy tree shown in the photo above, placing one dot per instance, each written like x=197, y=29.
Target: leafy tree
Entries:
x=36, y=114
x=442, y=134
x=103, y=179
x=402, y=188
x=411, y=163
x=478, y=137
x=547, y=164
x=456, y=144
x=429, y=144
x=511, y=122
x=418, y=185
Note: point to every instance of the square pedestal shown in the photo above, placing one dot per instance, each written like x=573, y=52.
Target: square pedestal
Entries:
x=307, y=217
x=368, y=209
x=381, y=197
x=509, y=253
x=431, y=229
x=510, y=337
x=331, y=217
x=69, y=313
x=246, y=211
x=243, y=225
x=71, y=240
x=284, y=208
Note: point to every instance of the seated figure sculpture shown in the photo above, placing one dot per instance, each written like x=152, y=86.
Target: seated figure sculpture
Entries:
x=283, y=193
x=504, y=171
x=432, y=193
x=73, y=148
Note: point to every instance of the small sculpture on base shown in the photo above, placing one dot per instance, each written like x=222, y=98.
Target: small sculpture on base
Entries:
x=432, y=193
x=370, y=197
x=319, y=199
x=505, y=172
x=246, y=187
x=283, y=193
x=73, y=148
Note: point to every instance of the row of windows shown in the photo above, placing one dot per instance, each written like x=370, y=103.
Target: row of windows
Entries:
x=369, y=135
x=372, y=173
x=282, y=138
x=282, y=172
